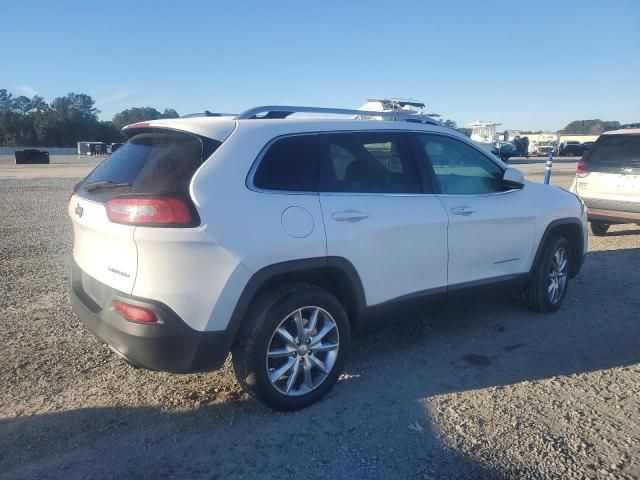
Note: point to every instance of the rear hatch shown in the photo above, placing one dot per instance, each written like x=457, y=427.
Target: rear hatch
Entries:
x=610, y=171
x=123, y=192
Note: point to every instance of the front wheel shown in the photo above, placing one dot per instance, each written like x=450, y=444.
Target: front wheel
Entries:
x=599, y=229
x=550, y=279
x=294, y=347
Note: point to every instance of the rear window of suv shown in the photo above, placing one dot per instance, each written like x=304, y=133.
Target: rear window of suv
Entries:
x=149, y=163
x=616, y=150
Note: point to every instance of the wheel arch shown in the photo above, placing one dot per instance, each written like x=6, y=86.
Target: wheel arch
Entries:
x=337, y=275
x=571, y=229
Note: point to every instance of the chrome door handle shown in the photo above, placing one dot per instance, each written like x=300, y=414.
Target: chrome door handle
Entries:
x=463, y=211
x=350, y=216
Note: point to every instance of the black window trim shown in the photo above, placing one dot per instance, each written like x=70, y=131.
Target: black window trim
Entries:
x=432, y=173
x=426, y=182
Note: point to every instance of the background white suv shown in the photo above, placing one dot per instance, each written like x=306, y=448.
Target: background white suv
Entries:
x=608, y=179
x=275, y=238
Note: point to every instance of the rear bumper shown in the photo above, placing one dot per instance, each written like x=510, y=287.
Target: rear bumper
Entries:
x=170, y=345
x=613, y=216
x=612, y=211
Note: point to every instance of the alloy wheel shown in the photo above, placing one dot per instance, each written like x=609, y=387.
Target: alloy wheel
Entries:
x=557, y=275
x=302, y=351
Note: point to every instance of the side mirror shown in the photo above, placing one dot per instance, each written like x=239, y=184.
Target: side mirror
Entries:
x=513, y=178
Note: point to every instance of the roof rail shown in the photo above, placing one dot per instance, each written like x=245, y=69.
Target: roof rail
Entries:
x=207, y=113
x=281, y=111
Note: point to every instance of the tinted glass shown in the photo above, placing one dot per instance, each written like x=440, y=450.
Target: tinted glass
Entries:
x=376, y=162
x=148, y=163
x=617, y=150
x=460, y=168
x=290, y=164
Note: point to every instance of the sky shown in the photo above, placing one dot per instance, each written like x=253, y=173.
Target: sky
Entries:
x=530, y=65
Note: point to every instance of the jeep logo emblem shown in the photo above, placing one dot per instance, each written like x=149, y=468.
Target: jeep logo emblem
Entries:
x=79, y=210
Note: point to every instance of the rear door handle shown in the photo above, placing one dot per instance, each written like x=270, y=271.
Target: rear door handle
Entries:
x=350, y=216
x=463, y=211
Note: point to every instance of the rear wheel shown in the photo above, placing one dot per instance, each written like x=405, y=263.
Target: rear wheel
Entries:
x=548, y=285
x=294, y=348
x=599, y=229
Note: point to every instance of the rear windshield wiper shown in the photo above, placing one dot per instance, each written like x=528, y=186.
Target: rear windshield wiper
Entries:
x=106, y=184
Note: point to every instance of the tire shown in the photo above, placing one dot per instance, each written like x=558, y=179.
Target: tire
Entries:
x=276, y=310
x=599, y=229
x=538, y=294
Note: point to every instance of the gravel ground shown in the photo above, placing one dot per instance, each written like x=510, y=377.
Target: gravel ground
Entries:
x=484, y=389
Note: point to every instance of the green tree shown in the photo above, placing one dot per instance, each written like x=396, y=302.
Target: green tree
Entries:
x=135, y=114
x=75, y=106
x=38, y=104
x=170, y=113
x=450, y=124
x=589, y=127
x=611, y=125
x=5, y=101
x=21, y=105
x=32, y=122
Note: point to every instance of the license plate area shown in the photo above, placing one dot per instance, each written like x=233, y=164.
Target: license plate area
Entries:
x=629, y=182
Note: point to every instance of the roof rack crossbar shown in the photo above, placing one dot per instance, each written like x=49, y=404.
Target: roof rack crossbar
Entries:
x=281, y=111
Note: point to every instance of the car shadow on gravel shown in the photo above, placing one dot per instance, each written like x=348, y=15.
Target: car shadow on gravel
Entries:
x=374, y=424
x=622, y=233
x=233, y=440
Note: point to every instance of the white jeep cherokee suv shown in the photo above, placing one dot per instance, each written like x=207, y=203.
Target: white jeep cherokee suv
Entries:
x=608, y=179
x=275, y=238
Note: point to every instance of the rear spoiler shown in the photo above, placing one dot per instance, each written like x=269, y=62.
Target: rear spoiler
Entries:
x=130, y=130
x=216, y=130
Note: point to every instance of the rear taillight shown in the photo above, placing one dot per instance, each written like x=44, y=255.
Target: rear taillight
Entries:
x=582, y=170
x=74, y=189
x=137, y=125
x=149, y=211
x=135, y=314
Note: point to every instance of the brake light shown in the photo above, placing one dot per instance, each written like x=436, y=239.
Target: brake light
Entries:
x=74, y=189
x=135, y=314
x=582, y=170
x=150, y=211
x=137, y=125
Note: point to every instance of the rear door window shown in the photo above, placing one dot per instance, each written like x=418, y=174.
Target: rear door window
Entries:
x=369, y=162
x=616, y=151
x=290, y=164
x=149, y=163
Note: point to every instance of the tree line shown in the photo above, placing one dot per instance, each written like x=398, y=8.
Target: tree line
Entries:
x=65, y=121
x=72, y=118
x=577, y=127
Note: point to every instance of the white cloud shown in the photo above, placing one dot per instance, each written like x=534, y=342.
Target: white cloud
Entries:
x=26, y=90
